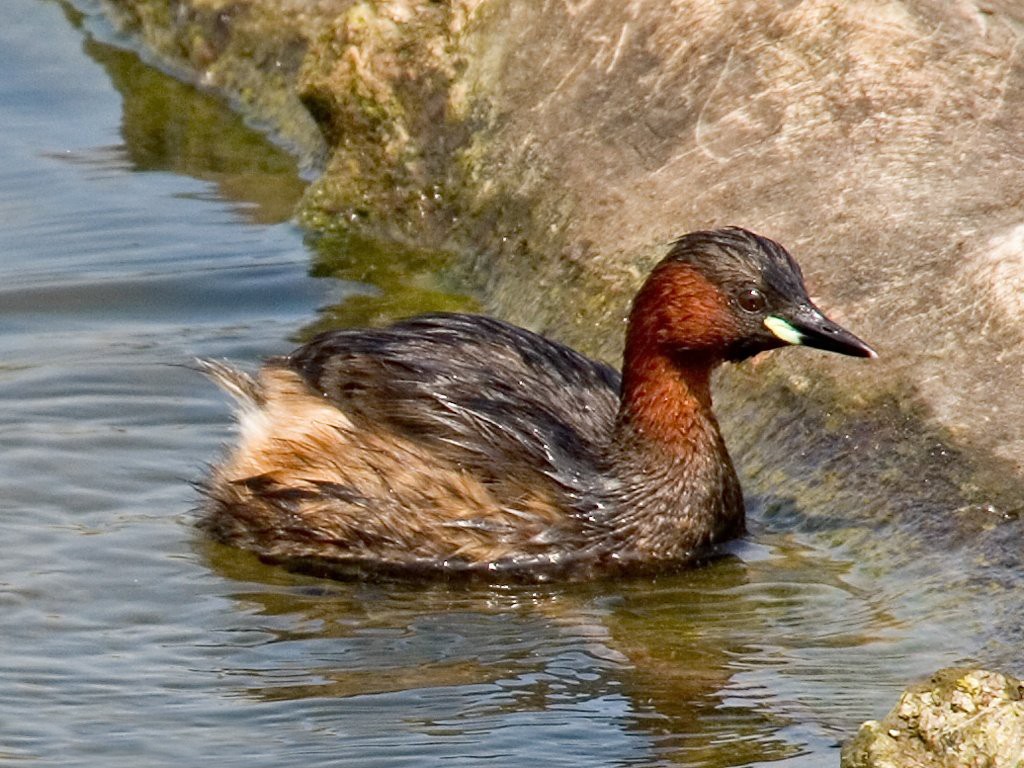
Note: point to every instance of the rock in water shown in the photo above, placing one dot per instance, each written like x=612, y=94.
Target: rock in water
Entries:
x=958, y=718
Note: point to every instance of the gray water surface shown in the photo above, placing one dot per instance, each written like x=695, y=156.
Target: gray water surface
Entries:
x=141, y=225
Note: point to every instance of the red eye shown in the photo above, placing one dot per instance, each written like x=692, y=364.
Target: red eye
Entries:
x=751, y=300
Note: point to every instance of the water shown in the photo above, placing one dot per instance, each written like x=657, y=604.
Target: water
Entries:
x=141, y=225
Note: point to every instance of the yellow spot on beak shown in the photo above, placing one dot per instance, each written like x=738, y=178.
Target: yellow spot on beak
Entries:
x=783, y=330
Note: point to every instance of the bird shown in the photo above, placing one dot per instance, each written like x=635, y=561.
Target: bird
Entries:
x=452, y=445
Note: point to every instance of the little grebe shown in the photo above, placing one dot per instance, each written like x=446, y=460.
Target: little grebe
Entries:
x=455, y=443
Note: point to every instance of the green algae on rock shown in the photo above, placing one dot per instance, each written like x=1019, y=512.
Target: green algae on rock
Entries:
x=379, y=81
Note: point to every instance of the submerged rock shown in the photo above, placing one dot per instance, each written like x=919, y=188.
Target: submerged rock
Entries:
x=960, y=718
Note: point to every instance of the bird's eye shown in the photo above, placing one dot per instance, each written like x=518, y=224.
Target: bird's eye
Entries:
x=751, y=300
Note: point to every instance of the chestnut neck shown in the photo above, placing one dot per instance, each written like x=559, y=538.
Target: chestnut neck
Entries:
x=666, y=399
x=672, y=346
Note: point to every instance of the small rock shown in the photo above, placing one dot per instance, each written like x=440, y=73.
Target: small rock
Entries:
x=959, y=718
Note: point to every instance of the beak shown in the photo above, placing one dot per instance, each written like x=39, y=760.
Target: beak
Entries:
x=806, y=325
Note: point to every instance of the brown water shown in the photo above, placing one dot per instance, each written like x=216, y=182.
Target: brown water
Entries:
x=142, y=224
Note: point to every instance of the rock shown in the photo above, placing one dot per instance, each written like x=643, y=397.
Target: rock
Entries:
x=959, y=718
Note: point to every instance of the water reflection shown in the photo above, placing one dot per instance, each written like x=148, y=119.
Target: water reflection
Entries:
x=677, y=666
x=168, y=126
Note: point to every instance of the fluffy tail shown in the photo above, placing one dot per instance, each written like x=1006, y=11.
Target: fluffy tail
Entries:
x=239, y=384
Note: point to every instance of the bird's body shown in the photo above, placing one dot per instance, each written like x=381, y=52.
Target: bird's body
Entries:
x=462, y=444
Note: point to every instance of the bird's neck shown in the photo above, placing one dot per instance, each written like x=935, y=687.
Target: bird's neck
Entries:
x=664, y=399
x=673, y=487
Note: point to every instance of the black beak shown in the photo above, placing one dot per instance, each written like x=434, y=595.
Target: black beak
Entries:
x=808, y=326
